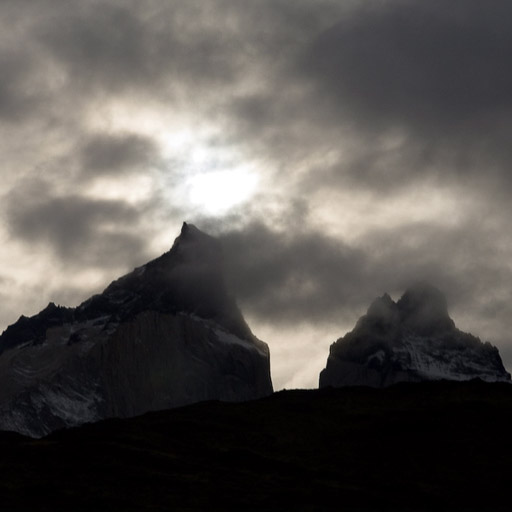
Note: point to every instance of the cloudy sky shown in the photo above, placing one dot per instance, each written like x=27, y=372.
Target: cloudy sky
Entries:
x=339, y=148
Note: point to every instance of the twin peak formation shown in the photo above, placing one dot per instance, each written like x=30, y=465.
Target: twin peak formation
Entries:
x=170, y=334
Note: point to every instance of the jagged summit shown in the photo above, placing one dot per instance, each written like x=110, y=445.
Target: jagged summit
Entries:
x=188, y=278
x=382, y=309
x=194, y=244
x=423, y=308
x=166, y=334
x=191, y=232
x=412, y=339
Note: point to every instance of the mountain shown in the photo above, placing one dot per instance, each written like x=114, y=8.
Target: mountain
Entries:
x=423, y=447
x=165, y=335
x=411, y=340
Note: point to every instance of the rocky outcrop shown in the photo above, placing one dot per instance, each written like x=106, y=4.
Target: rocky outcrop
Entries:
x=165, y=335
x=411, y=340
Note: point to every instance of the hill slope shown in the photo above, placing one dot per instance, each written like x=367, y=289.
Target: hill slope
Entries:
x=432, y=446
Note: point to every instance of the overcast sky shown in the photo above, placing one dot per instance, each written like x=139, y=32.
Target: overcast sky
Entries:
x=340, y=148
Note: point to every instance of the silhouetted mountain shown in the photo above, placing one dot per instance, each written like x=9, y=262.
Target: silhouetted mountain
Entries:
x=422, y=447
x=164, y=335
x=413, y=339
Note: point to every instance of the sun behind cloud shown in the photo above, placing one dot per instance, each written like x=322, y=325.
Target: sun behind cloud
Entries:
x=215, y=192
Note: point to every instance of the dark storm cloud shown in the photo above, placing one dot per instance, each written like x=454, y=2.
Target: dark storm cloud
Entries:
x=438, y=76
x=291, y=277
x=172, y=50
x=103, y=154
x=435, y=75
x=405, y=91
x=419, y=63
x=119, y=47
x=80, y=230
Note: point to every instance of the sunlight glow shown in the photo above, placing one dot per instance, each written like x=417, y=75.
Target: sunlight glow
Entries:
x=196, y=169
x=218, y=191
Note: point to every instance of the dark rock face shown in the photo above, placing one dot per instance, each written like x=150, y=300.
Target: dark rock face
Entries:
x=165, y=335
x=411, y=340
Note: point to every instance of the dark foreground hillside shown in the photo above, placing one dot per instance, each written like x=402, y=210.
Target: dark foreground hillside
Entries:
x=412, y=447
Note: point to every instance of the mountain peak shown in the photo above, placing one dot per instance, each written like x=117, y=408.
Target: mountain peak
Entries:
x=382, y=307
x=423, y=292
x=189, y=230
x=167, y=334
x=189, y=278
x=411, y=340
x=424, y=308
x=193, y=245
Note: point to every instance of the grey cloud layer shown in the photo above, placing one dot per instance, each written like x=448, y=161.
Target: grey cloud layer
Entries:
x=76, y=228
x=436, y=75
x=118, y=47
x=419, y=63
x=103, y=154
x=288, y=278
